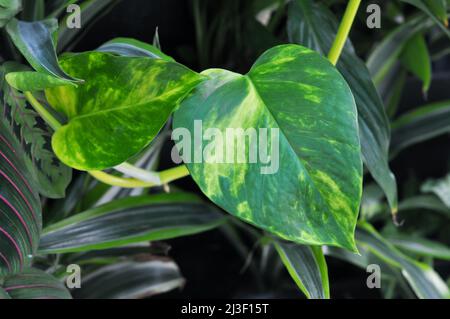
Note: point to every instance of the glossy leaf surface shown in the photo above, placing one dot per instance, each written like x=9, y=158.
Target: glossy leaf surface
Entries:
x=124, y=102
x=296, y=92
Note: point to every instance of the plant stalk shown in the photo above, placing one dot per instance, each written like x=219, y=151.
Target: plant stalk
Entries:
x=344, y=30
x=42, y=111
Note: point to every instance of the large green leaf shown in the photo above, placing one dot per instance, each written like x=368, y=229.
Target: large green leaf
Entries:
x=308, y=268
x=8, y=9
x=297, y=92
x=33, y=284
x=425, y=282
x=131, y=220
x=35, y=41
x=420, y=125
x=131, y=280
x=125, y=101
x=51, y=176
x=20, y=207
x=312, y=25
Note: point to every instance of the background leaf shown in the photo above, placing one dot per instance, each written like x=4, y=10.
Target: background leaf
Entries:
x=20, y=208
x=312, y=25
x=308, y=268
x=132, y=47
x=131, y=220
x=440, y=187
x=8, y=9
x=131, y=280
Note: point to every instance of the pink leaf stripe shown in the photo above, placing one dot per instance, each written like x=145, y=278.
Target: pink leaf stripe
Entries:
x=22, y=221
x=7, y=289
x=14, y=244
x=17, y=171
x=8, y=265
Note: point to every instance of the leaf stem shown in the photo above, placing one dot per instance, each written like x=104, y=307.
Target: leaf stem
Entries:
x=344, y=30
x=165, y=177
x=42, y=111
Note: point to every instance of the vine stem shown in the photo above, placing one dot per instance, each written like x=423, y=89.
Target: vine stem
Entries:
x=344, y=30
x=139, y=177
x=42, y=111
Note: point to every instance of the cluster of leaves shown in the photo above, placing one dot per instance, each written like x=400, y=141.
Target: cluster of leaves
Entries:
x=78, y=110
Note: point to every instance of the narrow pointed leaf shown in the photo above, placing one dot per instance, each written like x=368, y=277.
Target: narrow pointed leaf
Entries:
x=419, y=125
x=132, y=47
x=307, y=267
x=35, y=41
x=440, y=187
x=296, y=92
x=20, y=207
x=416, y=59
x=428, y=202
x=131, y=280
x=421, y=246
x=124, y=101
x=312, y=25
x=425, y=282
x=435, y=9
x=49, y=174
x=34, y=284
x=131, y=220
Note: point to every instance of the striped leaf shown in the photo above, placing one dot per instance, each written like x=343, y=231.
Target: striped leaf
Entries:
x=131, y=220
x=419, y=125
x=100, y=123
x=307, y=267
x=312, y=25
x=20, y=207
x=421, y=246
x=131, y=280
x=425, y=282
x=299, y=93
x=33, y=284
x=50, y=175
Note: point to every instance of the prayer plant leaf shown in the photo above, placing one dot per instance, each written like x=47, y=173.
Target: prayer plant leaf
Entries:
x=33, y=284
x=20, y=207
x=120, y=108
x=298, y=103
x=50, y=175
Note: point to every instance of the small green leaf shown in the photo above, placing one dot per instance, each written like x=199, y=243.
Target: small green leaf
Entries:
x=308, y=268
x=416, y=59
x=131, y=220
x=35, y=42
x=34, y=284
x=131, y=280
x=132, y=47
x=296, y=92
x=125, y=101
x=34, y=81
x=8, y=9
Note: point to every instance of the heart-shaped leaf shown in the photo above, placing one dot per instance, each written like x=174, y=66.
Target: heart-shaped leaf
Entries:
x=20, y=207
x=119, y=110
x=309, y=190
x=51, y=176
x=33, y=284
